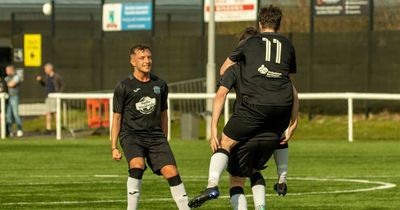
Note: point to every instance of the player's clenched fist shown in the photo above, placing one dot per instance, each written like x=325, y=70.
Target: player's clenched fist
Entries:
x=116, y=155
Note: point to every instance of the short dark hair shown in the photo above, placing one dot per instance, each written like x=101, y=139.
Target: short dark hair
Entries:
x=141, y=47
x=247, y=32
x=270, y=17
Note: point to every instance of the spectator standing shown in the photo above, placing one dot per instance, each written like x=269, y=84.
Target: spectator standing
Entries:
x=3, y=86
x=13, y=81
x=53, y=84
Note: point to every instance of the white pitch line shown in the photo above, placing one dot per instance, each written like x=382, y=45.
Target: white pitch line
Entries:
x=124, y=175
x=201, y=177
x=61, y=202
x=57, y=183
x=382, y=186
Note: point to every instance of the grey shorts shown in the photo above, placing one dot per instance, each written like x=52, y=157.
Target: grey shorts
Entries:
x=51, y=105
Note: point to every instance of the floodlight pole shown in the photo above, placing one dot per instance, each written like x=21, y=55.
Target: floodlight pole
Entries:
x=101, y=20
x=53, y=19
x=370, y=53
x=311, y=55
x=210, y=66
x=153, y=18
x=101, y=49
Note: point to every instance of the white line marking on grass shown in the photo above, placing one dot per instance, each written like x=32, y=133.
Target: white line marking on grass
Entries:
x=61, y=202
x=58, y=183
x=270, y=177
x=107, y=176
x=200, y=177
x=381, y=186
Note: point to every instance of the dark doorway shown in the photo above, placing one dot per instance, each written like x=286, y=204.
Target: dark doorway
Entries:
x=5, y=59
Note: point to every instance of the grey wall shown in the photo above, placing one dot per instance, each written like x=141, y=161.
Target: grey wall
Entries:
x=340, y=60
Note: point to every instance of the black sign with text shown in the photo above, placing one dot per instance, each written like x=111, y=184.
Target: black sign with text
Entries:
x=341, y=7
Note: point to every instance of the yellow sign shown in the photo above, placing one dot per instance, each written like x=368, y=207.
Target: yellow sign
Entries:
x=33, y=50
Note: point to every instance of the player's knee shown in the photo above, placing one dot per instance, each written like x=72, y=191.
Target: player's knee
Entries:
x=236, y=190
x=237, y=181
x=169, y=171
x=227, y=143
x=136, y=173
x=174, y=181
x=257, y=179
x=137, y=163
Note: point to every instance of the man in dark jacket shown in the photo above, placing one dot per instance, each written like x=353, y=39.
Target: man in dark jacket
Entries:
x=53, y=84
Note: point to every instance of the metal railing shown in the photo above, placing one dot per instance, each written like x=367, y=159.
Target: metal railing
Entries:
x=63, y=96
x=350, y=97
x=3, y=97
x=189, y=86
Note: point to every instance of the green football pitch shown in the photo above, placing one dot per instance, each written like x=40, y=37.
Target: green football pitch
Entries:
x=80, y=174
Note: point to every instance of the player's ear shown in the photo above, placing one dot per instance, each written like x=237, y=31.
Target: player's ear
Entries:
x=132, y=60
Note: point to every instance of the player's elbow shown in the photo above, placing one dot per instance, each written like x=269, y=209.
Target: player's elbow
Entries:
x=221, y=95
x=228, y=62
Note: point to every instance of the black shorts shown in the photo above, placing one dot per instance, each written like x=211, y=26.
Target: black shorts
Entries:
x=249, y=156
x=250, y=119
x=282, y=146
x=156, y=151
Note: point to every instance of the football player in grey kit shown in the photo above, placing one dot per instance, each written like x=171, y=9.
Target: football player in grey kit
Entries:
x=140, y=123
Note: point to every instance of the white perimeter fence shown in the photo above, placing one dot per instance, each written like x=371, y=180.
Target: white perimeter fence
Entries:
x=350, y=97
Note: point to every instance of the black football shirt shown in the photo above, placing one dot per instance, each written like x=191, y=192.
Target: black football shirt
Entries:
x=140, y=105
x=268, y=59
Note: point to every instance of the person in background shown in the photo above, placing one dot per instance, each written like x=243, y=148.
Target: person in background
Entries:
x=3, y=86
x=13, y=81
x=53, y=84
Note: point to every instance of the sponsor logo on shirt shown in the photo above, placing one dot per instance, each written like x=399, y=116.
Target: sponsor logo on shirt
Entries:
x=146, y=105
x=270, y=74
x=157, y=90
x=136, y=90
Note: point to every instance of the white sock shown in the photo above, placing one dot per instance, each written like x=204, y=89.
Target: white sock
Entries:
x=134, y=186
x=179, y=194
x=260, y=207
x=239, y=202
x=281, y=157
x=258, y=195
x=217, y=165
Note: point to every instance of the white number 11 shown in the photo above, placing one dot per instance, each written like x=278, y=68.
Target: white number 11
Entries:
x=268, y=50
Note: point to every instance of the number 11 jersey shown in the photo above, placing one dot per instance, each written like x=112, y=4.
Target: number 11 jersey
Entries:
x=268, y=58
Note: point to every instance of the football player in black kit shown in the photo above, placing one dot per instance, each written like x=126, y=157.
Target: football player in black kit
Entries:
x=247, y=158
x=140, y=122
x=267, y=96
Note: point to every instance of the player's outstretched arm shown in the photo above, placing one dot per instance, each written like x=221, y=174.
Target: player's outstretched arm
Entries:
x=218, y=105
x=116, y=127
x=228, y=62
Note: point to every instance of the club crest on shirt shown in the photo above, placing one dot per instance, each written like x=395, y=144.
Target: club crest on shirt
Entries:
x=146, y=105
x=157, y=89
